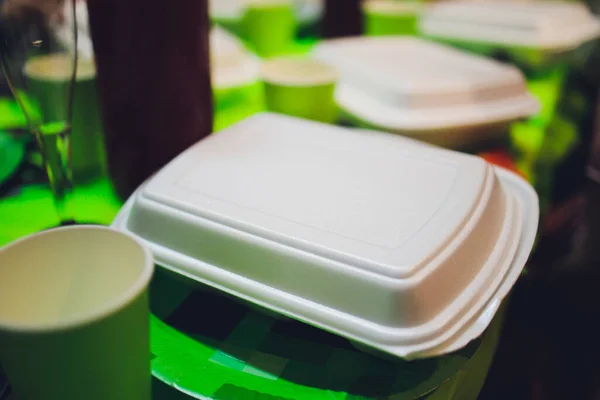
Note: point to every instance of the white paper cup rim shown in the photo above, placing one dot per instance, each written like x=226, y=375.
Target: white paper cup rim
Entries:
x=58, y=68
x=392, y=7
x=289, y=71
x=109, y=307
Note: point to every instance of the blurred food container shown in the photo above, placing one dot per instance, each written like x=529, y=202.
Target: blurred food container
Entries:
x=232, y=65
x=425, y=90
x=534, y=33
x=398, y=246
x=228, y=13
x=391, y=17
x=300, y=87
x=88, y=159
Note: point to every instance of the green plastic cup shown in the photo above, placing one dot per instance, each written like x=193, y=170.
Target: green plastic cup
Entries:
x=391, y=17
x=74, y=315
x=48, y=77
x=270, y=26
x=301, y=88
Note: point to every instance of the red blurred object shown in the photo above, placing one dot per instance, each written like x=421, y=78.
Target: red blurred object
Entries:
x=502, y=159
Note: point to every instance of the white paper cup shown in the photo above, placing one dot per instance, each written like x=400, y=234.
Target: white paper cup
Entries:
x=74, y=315
x=391, y=17
x=300, y=87
x=48, y=79
x=269, y=25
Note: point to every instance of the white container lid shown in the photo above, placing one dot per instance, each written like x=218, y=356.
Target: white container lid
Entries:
x=231, y=64
x=414, y=86
x=554, y=26
x=392, y=244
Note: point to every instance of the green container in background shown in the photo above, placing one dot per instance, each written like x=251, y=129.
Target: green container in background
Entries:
x=270, y=26
x=48, y=85
x=301, y=88
x=391, y=17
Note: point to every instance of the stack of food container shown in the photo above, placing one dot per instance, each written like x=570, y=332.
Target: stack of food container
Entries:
x=426, y=90
x=533, y=33
x=549, y=41
x=401, y=247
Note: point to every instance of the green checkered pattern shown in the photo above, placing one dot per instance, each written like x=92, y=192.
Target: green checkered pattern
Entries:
x=216, y=347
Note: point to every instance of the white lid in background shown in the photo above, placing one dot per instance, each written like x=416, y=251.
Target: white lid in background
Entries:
x=417, y=74
x=223, y=43
x=372, y=236
x=424, y=86
x=231, y=64
x=543, y=25
x=226, y=9
x=448, y=127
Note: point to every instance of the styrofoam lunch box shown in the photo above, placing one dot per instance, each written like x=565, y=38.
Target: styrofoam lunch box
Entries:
x=399, y=246
x=537, y=32
x=426, y=90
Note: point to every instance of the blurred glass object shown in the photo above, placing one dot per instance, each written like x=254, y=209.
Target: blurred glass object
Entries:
x=41, y=69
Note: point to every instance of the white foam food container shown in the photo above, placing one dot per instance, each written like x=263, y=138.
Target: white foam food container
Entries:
x=547, y=28
x=396, y=245
x=232, y=65
x=426, y=90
